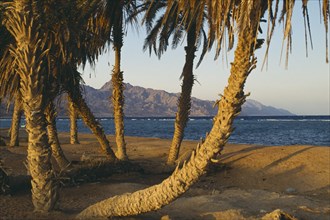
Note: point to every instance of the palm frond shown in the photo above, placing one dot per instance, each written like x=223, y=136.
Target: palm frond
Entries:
x=326, y=17
x=204, y=49
x=151, y=39
x=307, y=26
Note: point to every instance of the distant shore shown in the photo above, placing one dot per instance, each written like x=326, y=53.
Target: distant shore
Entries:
x=249, y=182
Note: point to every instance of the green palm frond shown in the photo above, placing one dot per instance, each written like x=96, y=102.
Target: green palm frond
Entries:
x=151, y=9
x=151, y=39
x=204, y=48
x=176, y=23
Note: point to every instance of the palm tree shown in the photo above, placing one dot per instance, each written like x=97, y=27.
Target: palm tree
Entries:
x=57, y=151
x=8, y=84
x=28, y=52
x=116, y=14
x=179, y=182
x=75, y=97
x=83, y=44
x=173, y=23
x=73, y=123
x=38, y=44
x=16, y=121
x=247, y=14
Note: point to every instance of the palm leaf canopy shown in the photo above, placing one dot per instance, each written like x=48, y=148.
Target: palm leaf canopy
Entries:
x=65, y=36
x=8, y=82
x=226, y=13
x=171, y=21
x=113, y=15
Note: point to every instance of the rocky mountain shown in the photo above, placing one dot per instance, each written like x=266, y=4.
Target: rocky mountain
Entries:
x=142, y=102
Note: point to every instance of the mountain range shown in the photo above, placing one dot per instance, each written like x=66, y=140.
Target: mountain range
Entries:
x=146, y=102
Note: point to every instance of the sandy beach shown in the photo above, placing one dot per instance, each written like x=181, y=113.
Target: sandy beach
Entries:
x=247, y=183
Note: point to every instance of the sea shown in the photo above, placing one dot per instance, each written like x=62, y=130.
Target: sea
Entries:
x=256, y=130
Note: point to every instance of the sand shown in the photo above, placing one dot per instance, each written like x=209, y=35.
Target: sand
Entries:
x=248, y=182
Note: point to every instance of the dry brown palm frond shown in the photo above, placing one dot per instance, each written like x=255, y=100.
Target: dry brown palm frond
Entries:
x=326, y=17
x=272, y=15
x=286, y=16
x=229, y=14
x=307, y=26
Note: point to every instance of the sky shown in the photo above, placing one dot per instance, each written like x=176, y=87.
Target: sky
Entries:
x=302, y=88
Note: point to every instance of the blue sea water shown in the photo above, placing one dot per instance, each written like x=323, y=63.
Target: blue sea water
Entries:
x=259, y=130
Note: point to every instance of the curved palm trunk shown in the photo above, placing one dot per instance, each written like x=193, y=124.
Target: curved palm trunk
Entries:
x=157, y=196
x=28, y=55
x=184, y=102
x=118, y=92
x=15, y=122
x=57, y=151
x=73, y=123
x=87, y=116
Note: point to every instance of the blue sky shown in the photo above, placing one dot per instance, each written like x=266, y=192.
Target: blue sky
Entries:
x=303, y=88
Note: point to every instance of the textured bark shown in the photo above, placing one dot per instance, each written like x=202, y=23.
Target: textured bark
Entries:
x=57, y=151
x=157, y=196
x=184, y=102
x=87, y=116
x=118, y=92
x=44, y=193
x=73, y=123
x=28, y=53
x=15, y=122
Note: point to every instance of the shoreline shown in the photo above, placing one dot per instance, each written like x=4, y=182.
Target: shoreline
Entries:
x=249, y=181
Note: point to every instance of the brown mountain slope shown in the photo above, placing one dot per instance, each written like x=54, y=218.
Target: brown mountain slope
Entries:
x=146, y=102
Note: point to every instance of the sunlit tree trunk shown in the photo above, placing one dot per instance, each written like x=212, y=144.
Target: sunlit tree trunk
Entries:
x=118, y=90
x=28, y=53
x=184, y=102
x=57, y=151
x=73, y=123
x=157, y=196
x=87, y=116
x=16, y=121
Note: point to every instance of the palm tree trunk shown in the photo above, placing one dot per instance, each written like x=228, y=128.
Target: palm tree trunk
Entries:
x=44, y=191
x=87, y=116
x=118, y=92
x=28, y=53
x=157, y=196
x=73, y=123
x=57, y=151
x=184, y=102
x=15, y=122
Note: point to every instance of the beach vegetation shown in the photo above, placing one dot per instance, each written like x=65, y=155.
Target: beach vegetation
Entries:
x=246, y=15
x=172, y=23
x=111, y=22
x=40, y=50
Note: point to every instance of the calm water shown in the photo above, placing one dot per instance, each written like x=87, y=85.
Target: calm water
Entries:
x=281, y=130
